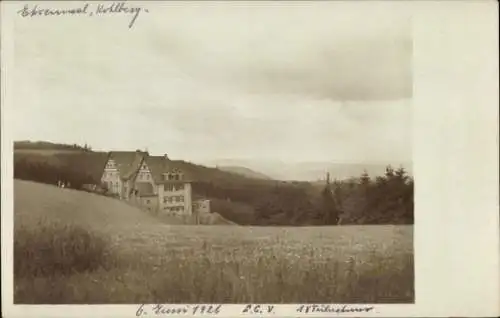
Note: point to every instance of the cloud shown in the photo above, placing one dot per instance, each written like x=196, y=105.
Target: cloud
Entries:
x=295, y=82
x=362, y=59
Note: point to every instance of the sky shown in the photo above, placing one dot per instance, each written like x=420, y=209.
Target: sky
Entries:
x=303, y=81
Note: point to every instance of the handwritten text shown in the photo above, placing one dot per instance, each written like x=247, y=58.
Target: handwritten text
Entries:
x=332, y=308
x=188, y=310
x=114, y=8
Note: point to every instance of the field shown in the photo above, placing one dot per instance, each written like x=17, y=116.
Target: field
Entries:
x=74, y=247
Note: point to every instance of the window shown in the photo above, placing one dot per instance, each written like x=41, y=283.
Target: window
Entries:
x=173, y=176
x=165, y=199
x=180, y=187
x=181, y=198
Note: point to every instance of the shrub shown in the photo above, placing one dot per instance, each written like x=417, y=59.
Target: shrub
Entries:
x=54, y=249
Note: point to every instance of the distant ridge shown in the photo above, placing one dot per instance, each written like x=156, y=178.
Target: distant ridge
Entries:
x=246, y=172
x=313, y=171
x=47, y=145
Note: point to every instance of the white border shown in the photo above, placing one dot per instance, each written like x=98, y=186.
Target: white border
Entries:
x=455, y=165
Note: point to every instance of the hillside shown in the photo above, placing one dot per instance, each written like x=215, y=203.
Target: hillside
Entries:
x=246, y=172
x=35, y=201
x=387, y=199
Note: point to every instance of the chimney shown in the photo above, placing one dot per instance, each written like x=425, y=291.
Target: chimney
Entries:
x=165, y=156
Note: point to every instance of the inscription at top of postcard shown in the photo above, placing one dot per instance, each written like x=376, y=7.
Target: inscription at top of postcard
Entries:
x=87, y=9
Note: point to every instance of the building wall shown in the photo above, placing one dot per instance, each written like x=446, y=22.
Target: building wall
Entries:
x=111, y=178
x=175, y=198
x=150, y=203
x=201, y=206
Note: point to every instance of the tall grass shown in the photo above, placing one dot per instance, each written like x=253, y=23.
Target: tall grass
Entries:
x=64, y=264
x=53, y=249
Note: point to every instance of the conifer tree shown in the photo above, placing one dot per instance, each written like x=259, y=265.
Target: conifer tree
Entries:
x=330, y=208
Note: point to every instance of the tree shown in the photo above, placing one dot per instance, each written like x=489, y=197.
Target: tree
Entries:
x=365, y=178
x=330, y=206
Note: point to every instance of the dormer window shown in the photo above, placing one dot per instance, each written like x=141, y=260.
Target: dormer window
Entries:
x=110, y=164
x=172, y=176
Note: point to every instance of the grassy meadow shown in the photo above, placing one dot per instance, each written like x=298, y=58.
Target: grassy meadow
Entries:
x=73, y=247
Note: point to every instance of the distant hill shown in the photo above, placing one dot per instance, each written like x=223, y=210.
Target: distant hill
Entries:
x=249, y=173
x=312, y=171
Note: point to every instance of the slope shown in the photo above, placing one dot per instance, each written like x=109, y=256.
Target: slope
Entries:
x=34, y=203
x=246, y=172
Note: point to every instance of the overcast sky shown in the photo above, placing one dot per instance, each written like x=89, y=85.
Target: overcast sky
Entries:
x=295, y=82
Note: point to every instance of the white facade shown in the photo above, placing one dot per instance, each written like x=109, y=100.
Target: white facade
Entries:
x=111, y=178
x=175, y=198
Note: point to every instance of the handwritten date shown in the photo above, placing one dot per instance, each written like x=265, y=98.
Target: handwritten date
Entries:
x=160, y=310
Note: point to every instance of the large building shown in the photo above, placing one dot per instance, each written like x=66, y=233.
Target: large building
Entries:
x=153, y=182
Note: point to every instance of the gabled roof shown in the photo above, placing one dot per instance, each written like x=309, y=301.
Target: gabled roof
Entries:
x=158, y=165
x=127, y=161
x=95, y=162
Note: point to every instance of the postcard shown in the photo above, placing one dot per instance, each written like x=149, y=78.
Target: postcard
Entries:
x=250, y=159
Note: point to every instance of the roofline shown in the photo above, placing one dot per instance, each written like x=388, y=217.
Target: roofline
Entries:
x=173, y=182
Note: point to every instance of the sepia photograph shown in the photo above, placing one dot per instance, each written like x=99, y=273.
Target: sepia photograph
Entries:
x=212, y=152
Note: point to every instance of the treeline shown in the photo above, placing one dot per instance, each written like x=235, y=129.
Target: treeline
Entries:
x=44, y=145
x=73, y=169
x=386, y=199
